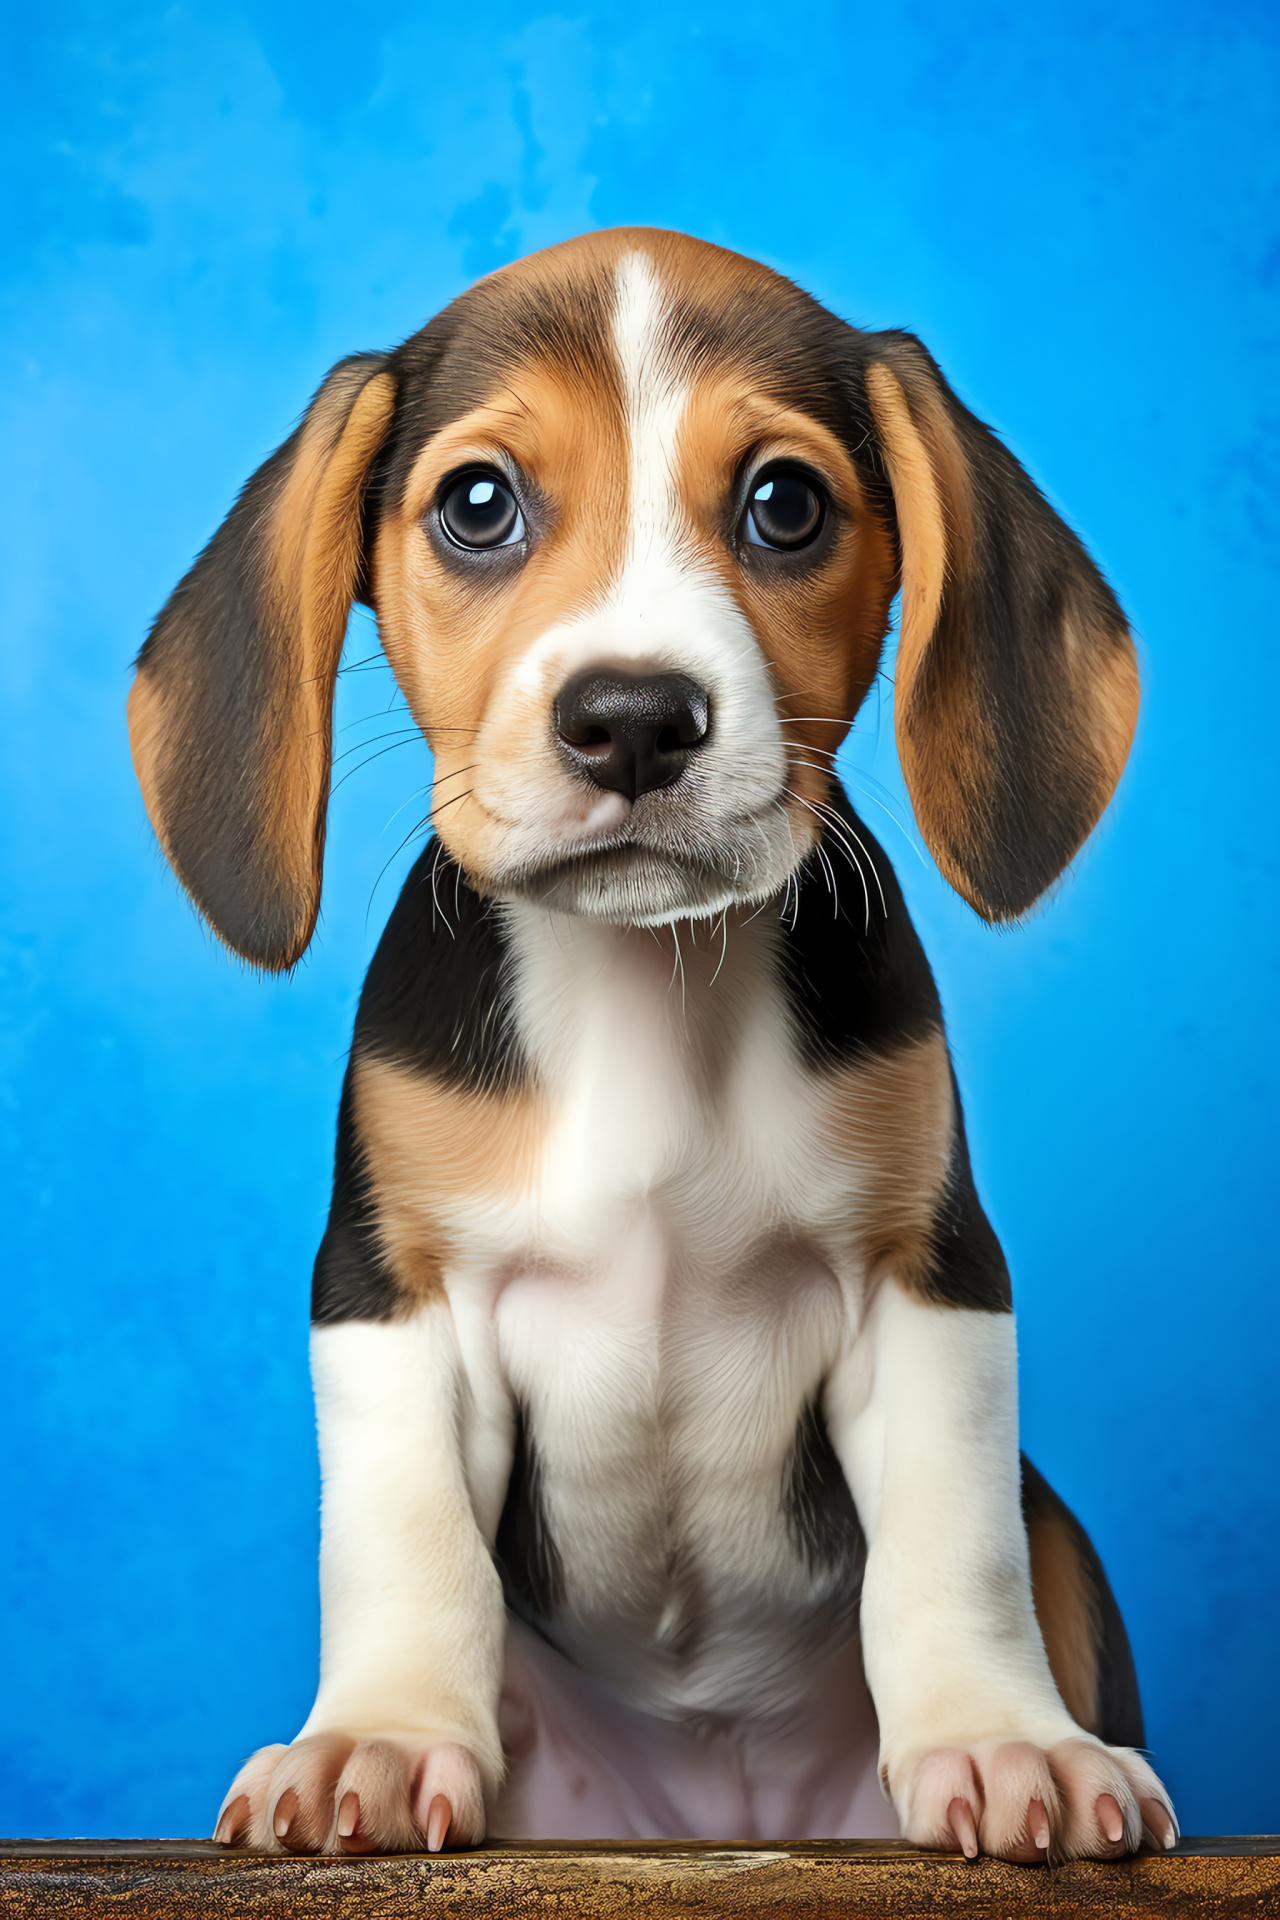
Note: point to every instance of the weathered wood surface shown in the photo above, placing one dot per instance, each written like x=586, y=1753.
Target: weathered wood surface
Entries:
x=162, y=1878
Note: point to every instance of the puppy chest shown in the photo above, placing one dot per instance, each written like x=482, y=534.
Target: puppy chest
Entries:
x=671, y=1457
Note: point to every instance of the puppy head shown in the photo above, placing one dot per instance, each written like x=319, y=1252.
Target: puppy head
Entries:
x=631, y=514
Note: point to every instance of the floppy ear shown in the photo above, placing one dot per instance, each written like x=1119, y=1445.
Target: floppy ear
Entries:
x=230, y=714
x=1017, y=685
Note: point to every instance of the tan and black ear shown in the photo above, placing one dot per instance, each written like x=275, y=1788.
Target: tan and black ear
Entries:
x=230, y=716
x=1017, y=687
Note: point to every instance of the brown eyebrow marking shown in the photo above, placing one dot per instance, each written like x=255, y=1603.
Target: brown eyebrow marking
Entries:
x=821, y=630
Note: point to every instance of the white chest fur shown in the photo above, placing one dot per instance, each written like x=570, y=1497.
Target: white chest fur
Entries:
x=664, y=1308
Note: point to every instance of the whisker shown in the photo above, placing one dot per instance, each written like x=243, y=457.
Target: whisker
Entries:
x=890, y=812
x=392, y=733
x=363, y=666
x=679, y=965
x=451, y=802
x=829, y=871
x=833, y=826
x=419, y=793
x=855, y=776
x=437, y=780
x=825, y=752
x=435, y=897
x=724, y=945
x=814, y=767
x=790, y=886
x=359, y=767
x=387, y=862
x=841, y=827
x=846, y=828
x=427, y=821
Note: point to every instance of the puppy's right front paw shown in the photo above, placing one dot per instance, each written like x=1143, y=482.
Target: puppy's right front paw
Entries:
x=355, y=1793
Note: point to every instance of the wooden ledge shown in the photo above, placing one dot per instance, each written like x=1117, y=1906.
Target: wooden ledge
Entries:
x=836, y=1880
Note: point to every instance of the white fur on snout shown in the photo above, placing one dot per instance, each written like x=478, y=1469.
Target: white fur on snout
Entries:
x=665, y=611
x=595, y=816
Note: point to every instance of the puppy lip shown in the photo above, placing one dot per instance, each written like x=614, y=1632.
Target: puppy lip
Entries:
x=539, y=879
x=630, y=839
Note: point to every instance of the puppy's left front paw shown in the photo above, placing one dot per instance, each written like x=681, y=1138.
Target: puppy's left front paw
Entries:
x=1074, y=1800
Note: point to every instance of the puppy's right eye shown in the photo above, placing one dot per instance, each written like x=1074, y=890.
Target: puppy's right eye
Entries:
x=479, y=511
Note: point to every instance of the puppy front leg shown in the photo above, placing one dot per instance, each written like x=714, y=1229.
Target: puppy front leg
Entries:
x=402, y=1744
x=977, y=1748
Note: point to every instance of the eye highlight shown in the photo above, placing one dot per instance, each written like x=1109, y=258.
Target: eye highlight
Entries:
x=478, y=511
x=785, y=510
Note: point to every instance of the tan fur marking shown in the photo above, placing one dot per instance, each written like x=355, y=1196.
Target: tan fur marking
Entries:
x=920, y=518
x=713, y=275
x=942, y=753
x=1112, y=696
x=426, y=1146
x=314, y=538
x=146, y=711
x=450, y=643
x=892, y=1116
x=1067, y=1609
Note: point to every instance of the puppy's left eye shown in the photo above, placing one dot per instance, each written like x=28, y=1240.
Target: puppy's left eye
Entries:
x=785, y=510
x=479, y=511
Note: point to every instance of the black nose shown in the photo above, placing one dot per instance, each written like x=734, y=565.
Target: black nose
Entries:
x=631, y=732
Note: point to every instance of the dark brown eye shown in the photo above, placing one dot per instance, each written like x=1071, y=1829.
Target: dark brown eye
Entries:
x=479, y=510
x=784, y=510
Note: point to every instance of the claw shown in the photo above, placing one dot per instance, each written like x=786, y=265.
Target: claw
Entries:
x=230, y=1821
x=1038, y=1825
x=352, y=1834
x=961, y=1821
x=285, y=1813
x=439, y=1820
x=1159, y=1823
x=1110, y=1818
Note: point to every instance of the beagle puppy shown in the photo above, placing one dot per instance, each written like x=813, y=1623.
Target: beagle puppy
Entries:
x=664, y=1356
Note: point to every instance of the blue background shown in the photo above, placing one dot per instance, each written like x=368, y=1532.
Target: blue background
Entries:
x=1077, y=207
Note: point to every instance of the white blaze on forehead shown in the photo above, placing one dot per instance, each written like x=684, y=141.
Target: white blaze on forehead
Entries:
x=655, y=398
x=665, y=607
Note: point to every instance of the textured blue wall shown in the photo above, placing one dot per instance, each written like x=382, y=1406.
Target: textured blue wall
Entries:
x=1076, y=206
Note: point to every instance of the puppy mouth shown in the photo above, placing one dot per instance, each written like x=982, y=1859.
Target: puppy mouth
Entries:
x=635, y=878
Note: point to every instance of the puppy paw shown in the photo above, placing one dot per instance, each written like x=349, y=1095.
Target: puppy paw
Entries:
x=1074, y=1800
x=348, y=1793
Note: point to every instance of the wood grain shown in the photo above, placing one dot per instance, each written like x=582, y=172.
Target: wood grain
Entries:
x=162, y=1880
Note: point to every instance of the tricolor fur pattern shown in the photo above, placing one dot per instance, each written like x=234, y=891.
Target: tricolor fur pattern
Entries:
x=664, y=1356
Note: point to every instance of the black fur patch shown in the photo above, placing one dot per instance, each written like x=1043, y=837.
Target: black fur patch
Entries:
x=437, y=996
x=821, y=1517
x=854, y=971
x=527, y=1556
x=968, y=1267
x=351, y=1280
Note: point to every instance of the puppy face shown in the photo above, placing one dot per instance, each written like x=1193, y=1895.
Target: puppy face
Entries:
x=631, y=514
x=633, y=595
